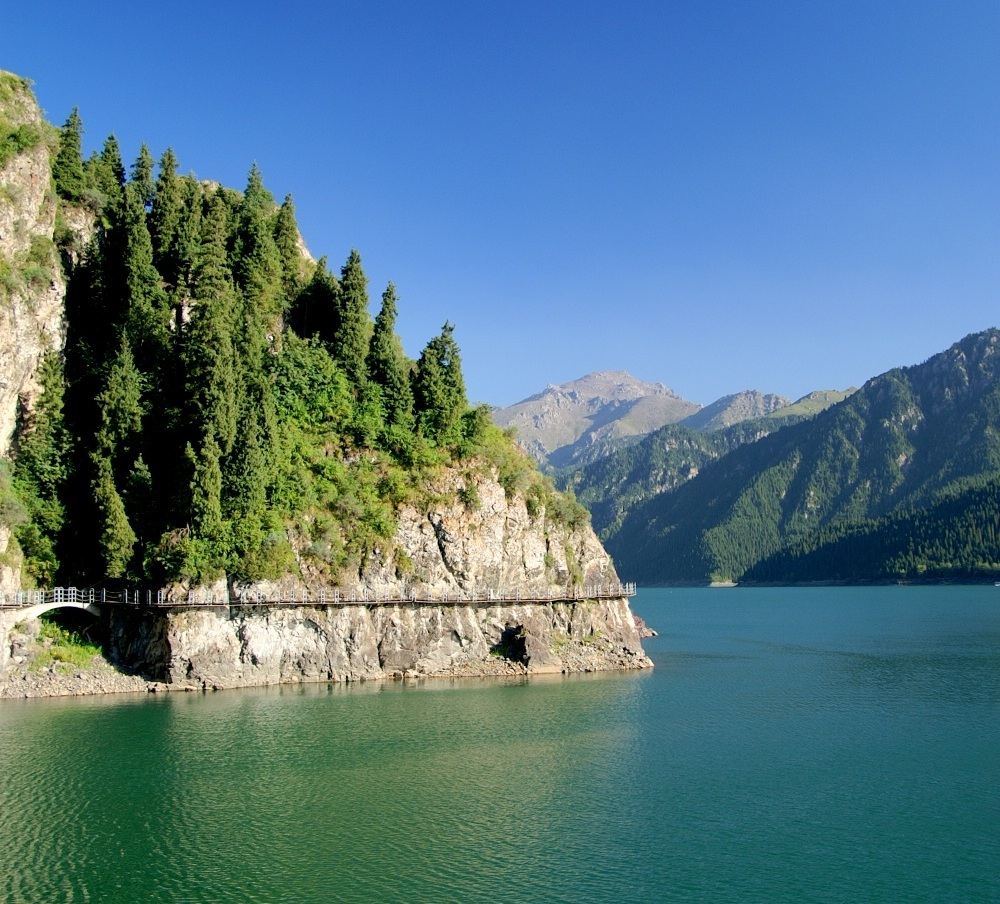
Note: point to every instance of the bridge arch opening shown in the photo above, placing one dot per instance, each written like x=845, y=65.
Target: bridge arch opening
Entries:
x=75, y=623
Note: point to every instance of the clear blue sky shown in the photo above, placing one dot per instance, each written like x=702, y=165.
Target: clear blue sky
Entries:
x=784, y=196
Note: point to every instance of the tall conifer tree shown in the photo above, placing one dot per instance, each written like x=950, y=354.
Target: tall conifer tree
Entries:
x=142, y=177
x=387, y=364
x=439, y=387
x=165, y=217
x=67, y=168
x=353, y=334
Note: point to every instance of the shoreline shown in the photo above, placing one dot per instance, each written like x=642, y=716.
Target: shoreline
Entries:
x=102, y=679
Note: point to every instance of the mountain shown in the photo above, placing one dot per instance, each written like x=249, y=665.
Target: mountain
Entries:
x=900, y=454
x=732, y=409
x=584, y=419
x=613, y=485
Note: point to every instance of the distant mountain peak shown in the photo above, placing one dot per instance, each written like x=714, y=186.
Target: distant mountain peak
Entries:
x=597, y=411
x=732, y=409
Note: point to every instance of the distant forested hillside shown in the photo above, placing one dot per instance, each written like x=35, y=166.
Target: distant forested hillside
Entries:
x=904, y=471
x=614, y=485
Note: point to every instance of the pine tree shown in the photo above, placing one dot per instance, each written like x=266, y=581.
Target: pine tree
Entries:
x=387, y=365
x=142, y=177
x=256, y=262
x=165, y=217
x=120, y=404
x=353, y=334
x=148, y=314
x=67, y=168
x=106, y=175
x=187, y=238
x=118, y=540
x=41, y=471
x=206, y=491
x=315, y=312
x=209, y=353
x=286, y=238
x=439, y=387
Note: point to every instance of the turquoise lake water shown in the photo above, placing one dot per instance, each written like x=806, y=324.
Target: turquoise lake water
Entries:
x=827, y=745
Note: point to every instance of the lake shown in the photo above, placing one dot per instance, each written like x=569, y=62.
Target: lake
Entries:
x=820, y=744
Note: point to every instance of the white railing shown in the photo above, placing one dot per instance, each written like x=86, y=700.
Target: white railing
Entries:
x=301, y=596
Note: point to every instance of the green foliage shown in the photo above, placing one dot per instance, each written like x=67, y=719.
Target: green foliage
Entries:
x=224, y=416
x=439, y=388
x=141, y=177
x=17, y=139
x=67, y=168
x=106, y=176
x=314, y=311
x=387, y=365
x=117, y=537
x=40, y=474
x=354, y=327
x=62, y=649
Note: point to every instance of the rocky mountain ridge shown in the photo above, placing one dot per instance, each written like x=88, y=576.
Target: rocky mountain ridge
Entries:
x=577, y=423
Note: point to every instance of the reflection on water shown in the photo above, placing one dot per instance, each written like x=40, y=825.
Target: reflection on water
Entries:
x=822, y=745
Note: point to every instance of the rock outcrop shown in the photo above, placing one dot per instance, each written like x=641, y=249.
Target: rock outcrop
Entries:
x=32, y=289
x=242, y=647
x=448, y=548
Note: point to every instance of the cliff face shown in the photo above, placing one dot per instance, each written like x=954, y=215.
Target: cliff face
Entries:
x=449, y=547
x=33, y=288
x=238, y=648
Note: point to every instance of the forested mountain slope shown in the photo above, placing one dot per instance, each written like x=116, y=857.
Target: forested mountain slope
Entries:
x=660, y=462
x=909, y=440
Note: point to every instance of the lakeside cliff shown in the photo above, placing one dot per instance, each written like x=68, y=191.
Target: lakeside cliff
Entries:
x=189, y=401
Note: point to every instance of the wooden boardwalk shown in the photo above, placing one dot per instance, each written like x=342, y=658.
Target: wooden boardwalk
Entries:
x=298, y=596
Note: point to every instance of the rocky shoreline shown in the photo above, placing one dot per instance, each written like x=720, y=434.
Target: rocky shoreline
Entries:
x=200, y=651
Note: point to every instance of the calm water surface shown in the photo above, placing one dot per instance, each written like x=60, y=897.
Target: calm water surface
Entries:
x=791, y=745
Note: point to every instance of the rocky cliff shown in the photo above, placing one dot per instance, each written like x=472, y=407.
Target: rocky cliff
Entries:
x=32, y=286
x=447, y=548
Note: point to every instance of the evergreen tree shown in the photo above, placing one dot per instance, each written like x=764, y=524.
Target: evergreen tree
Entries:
x=353, y=334
x=286, y=238
x=387, y=365
x=40, y=474
x=148, y=315
x=142, y=177
x=165, y=217
x=315, y=311
x=120, y=404
x=117, y=539
x=106, y=176
x=206, y=491
x=439, y=387
x=67, y=168
x=256, y=262
x=187, y=239
x=209, y=353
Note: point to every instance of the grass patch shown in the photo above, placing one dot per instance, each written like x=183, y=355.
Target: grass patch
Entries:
x=63, y=649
